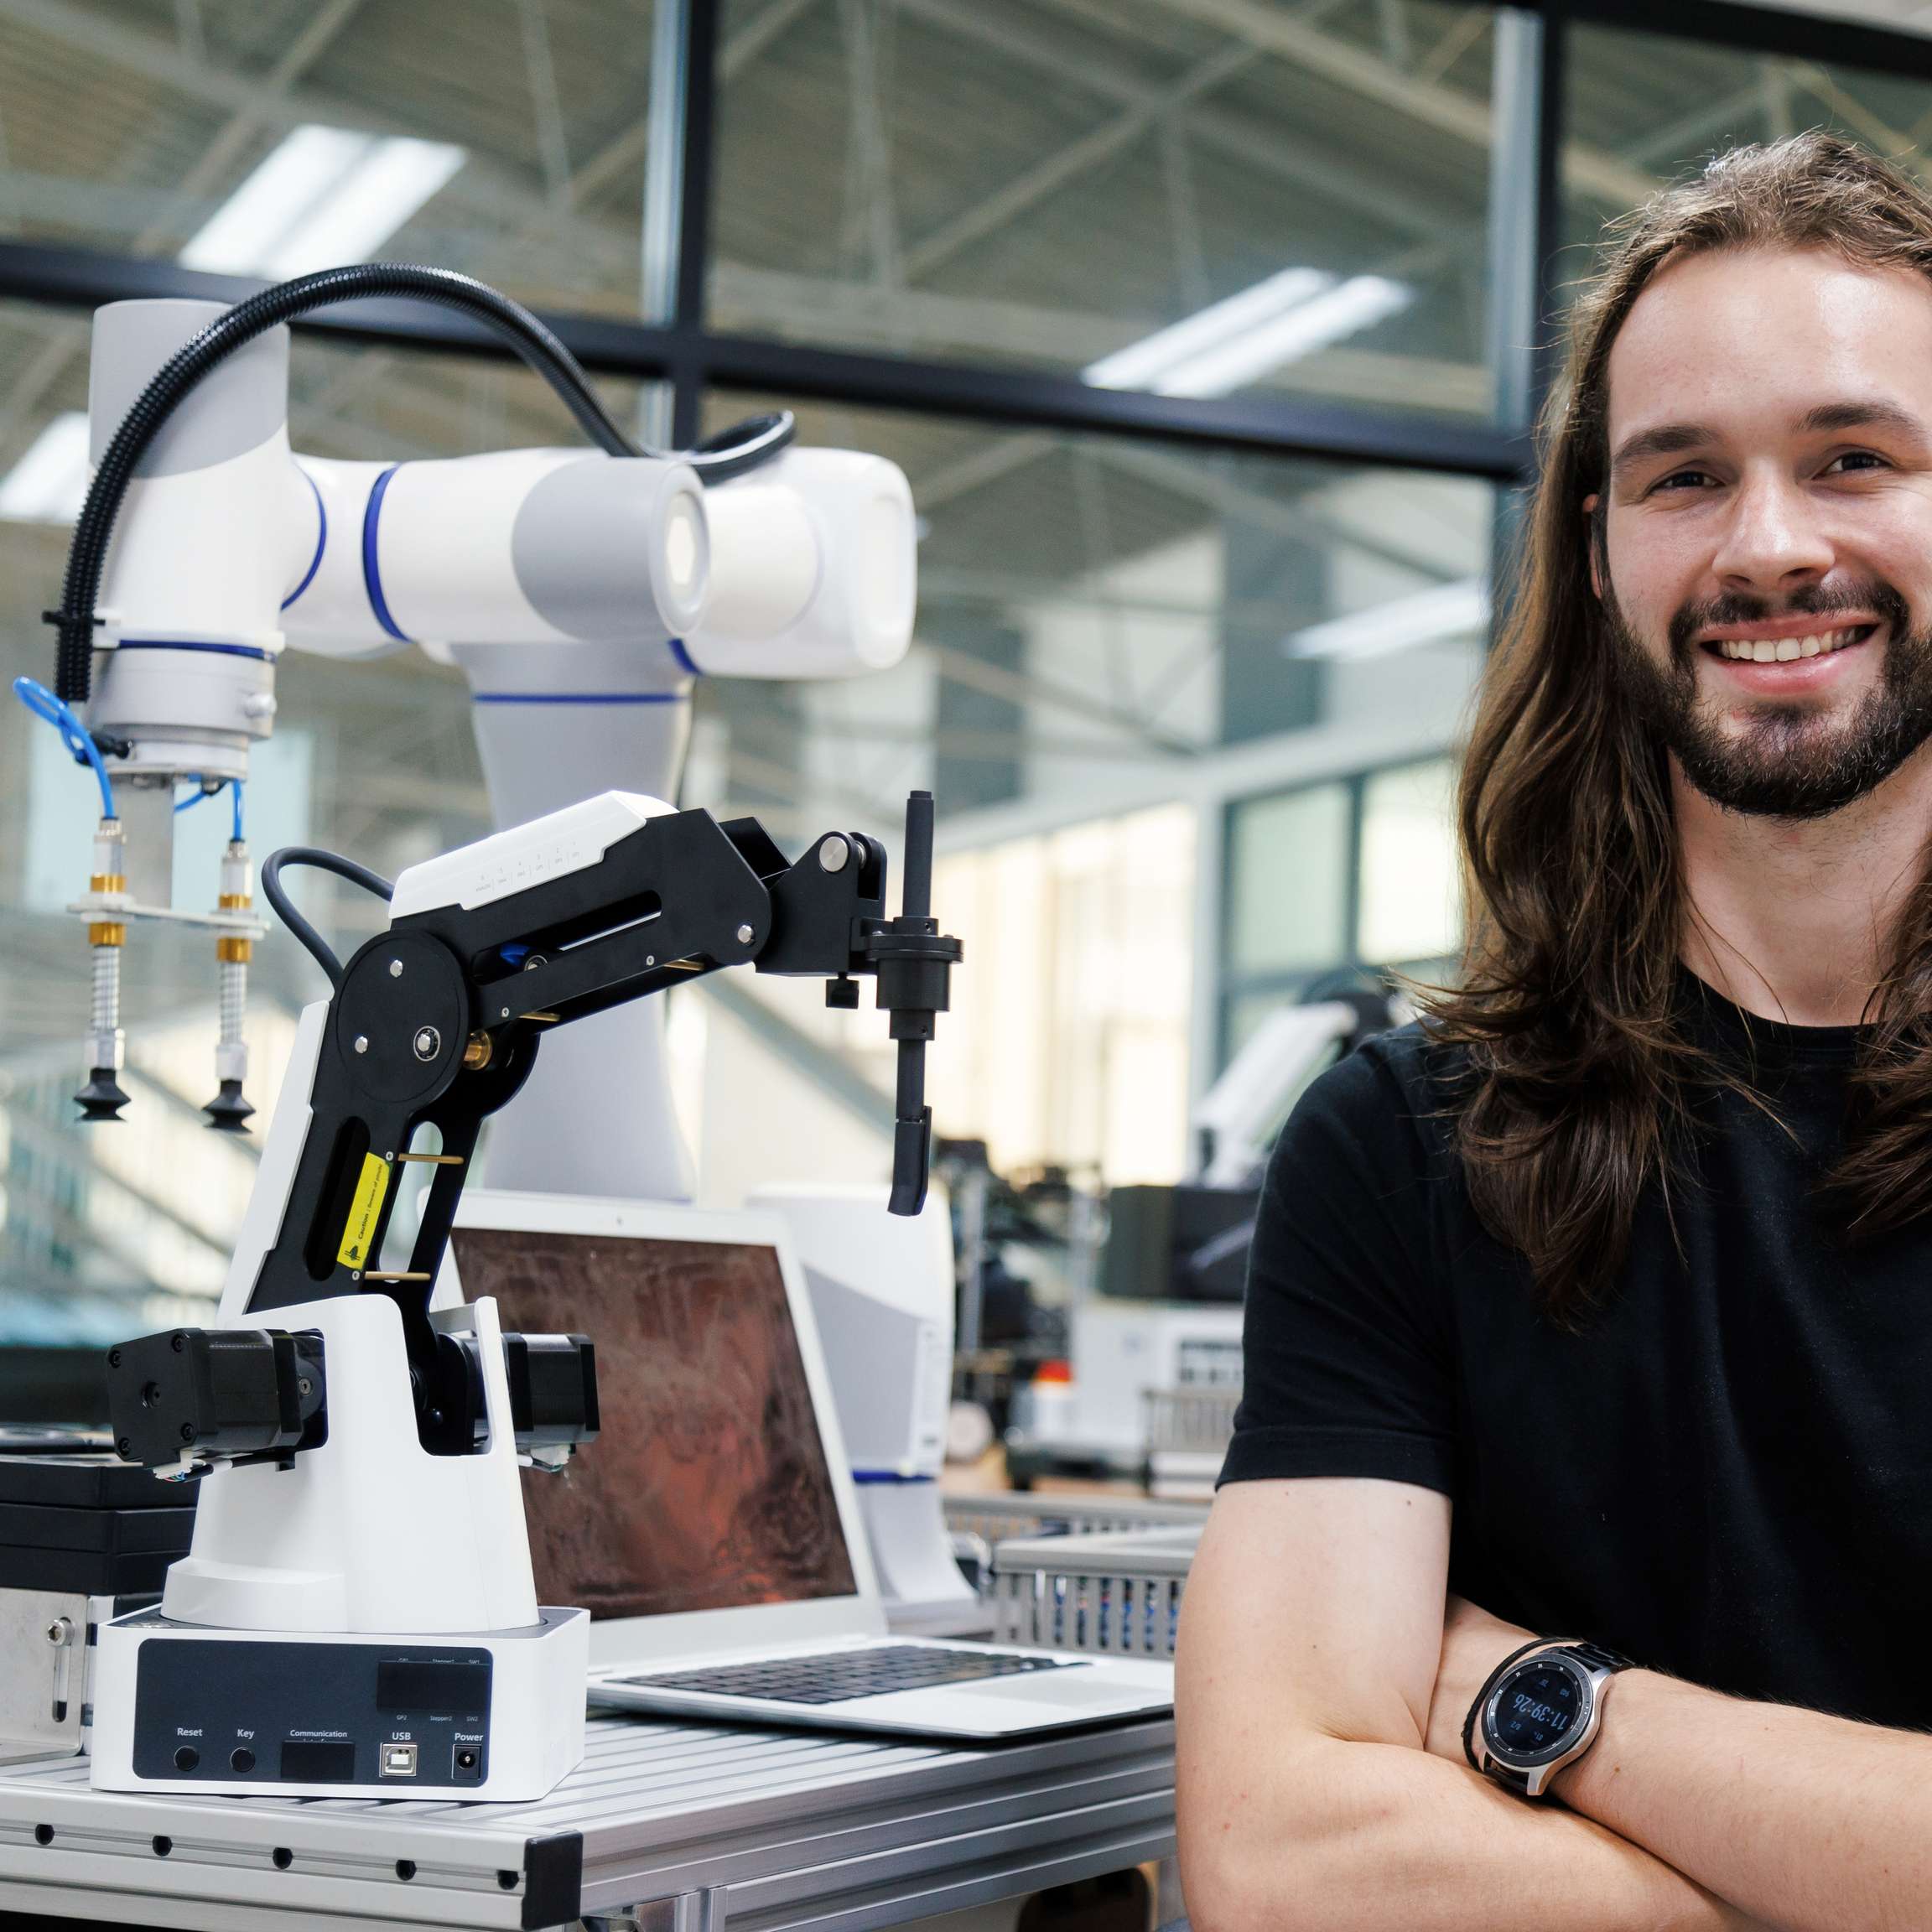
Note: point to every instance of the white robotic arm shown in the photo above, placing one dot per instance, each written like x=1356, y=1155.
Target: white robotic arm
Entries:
x=229, y=546
x=581, y=594
x=357, y=1450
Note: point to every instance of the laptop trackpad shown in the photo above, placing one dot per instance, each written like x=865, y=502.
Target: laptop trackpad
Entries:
x=1076, y=1688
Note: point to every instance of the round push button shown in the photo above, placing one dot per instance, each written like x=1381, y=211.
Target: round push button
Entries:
x=187, y=1758
x=242, y=1759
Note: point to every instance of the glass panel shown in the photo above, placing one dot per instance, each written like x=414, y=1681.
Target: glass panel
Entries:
x=1102, y=624
x=1058, y=184
x=1409, y=906
x=105, y=1232
x=1098, y=616
x=1644, y=108
x=131, y=128
x=1288, y=882
x=1068, y=1044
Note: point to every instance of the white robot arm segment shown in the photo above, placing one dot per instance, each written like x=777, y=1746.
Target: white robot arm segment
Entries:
x=518, y=546
x=814, y=568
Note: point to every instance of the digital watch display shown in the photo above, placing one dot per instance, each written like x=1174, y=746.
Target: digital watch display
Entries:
x=1539, y=1711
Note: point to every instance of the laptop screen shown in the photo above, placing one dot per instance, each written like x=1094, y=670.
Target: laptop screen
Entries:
x=707, y=1488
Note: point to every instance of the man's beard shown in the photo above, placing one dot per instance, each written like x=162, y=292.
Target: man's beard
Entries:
x=1789, y=760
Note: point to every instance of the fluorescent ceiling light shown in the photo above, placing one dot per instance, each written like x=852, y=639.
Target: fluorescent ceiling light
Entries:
x=1248, y=335
x=49, y=483
x=1140, y=364
x=325, y=196
x=1429, y=616
x=1343, y=310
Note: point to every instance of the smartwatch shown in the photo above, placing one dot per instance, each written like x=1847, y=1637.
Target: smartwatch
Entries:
x=1540, y=1710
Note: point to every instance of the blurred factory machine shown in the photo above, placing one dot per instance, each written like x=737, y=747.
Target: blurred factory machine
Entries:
x=1147, y=1389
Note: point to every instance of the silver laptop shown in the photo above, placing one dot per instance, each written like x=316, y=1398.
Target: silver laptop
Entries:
x=711, y=1529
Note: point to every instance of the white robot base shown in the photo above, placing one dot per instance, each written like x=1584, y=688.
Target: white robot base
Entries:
x=186, y=1707
x=364, y=1619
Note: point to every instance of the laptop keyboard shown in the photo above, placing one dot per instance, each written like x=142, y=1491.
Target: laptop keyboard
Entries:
x=838, y=1676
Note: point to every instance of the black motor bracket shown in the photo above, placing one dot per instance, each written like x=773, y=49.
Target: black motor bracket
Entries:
x=240, y=1395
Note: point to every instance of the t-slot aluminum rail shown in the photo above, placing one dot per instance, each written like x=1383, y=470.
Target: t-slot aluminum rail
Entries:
x=664, y=1828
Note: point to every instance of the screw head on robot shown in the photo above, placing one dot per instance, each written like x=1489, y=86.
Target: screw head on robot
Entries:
x=744, y=935
x=833, y=853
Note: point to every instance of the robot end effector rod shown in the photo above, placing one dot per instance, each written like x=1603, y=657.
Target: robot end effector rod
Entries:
x=437, y=1022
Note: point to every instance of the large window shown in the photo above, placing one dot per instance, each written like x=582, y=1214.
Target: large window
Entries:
x=1199, y=199
x=1290, y=886
x=1069, y=1045
x=1643, y=110
x=504, y=137
x=1352, y=881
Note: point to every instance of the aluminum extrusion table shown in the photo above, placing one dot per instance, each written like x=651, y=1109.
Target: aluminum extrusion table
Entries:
x=674, y=1828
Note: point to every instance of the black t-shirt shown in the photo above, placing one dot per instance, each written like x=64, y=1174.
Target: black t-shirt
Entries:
x=1726, y=1474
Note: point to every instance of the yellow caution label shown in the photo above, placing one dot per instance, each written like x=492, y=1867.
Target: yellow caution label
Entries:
x=364, y=1211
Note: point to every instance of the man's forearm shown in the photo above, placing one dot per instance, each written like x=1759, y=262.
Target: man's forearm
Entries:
x=1383, y=1838
x=1806, y=1821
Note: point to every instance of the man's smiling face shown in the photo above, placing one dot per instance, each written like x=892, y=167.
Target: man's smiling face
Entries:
x=1766, y=524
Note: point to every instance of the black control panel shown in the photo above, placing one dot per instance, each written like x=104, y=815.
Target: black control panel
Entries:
x=384, y=1716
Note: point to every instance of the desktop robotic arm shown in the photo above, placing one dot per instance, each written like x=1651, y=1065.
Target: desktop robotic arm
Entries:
x=359, y=1453
x=436, y=1021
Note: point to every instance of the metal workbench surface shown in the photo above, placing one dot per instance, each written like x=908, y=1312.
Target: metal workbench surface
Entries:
x=690, y=1827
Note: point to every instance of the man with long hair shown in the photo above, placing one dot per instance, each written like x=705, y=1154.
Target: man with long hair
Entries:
x=1572, y=1559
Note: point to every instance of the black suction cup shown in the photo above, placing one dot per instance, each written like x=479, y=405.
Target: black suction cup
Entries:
x=228, y=1112
x=101, y=1097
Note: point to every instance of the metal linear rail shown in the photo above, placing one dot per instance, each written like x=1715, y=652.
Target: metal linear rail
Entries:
x=676, y=1828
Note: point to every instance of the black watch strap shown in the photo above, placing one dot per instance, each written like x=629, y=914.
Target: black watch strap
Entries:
x=1598, y=1658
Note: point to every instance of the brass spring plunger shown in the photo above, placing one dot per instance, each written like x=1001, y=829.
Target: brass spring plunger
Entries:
x=102, y=1098
x=228, y=1111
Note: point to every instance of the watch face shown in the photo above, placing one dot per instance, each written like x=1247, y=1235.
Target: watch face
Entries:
x=1536, y=1711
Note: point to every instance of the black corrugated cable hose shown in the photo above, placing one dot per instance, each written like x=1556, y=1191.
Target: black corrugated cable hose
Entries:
x=87, y=553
